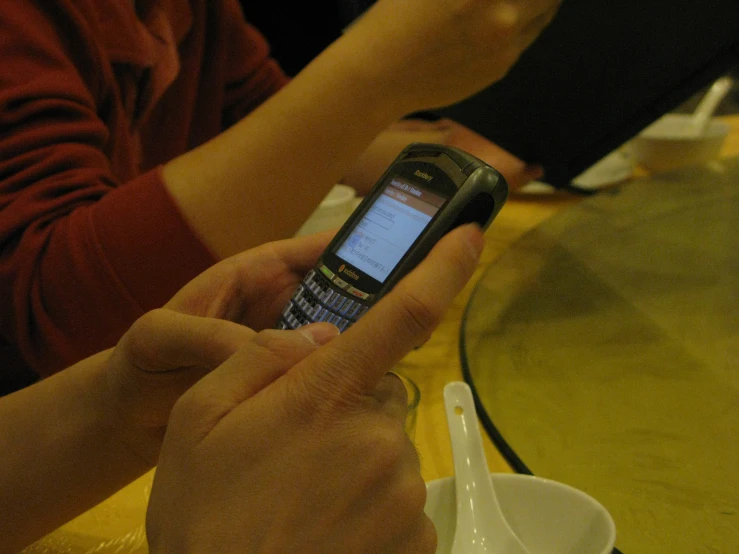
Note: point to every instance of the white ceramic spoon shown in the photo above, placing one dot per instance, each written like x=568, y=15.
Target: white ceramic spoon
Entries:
x=698, y=122
x=481, y=527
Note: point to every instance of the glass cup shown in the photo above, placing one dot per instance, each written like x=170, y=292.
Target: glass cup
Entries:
x=414, y=398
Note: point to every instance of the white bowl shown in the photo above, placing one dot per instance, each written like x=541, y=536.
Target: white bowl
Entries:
x=549, y=517
x=665, y=145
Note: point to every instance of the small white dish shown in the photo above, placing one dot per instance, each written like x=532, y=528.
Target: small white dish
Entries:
x=612, y=169
x=664, y=145
x=549, y=517
x=615, y=168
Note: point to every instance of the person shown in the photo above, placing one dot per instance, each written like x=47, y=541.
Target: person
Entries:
x=142, y=141
x=266, y=440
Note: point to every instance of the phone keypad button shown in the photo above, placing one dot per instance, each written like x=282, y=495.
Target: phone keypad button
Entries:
x=327, y=272
x=333, y=319
x=339, y=303
x=308, y=281
x=353, y=310
x=324, y=316
x=340, y=283
x=317, y=300
x=294, y=316
x=346, y=306
x=358, y=293
x=315, y=288
x=328, y=296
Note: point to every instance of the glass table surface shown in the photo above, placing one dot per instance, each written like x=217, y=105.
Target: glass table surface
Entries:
x=603, y=350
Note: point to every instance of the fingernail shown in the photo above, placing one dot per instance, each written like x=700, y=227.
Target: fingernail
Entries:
x=534, y=171
x=319, y=333
x=475, y=239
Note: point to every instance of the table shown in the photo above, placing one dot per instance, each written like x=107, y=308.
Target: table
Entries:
x=604, y=350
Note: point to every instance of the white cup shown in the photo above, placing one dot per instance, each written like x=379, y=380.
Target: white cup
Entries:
x=549, y=517
x=332, y=212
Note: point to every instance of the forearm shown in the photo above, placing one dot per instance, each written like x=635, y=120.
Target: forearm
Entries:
x=61, y=453
x=261, y=179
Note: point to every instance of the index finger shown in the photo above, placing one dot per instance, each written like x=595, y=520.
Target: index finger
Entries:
x=357, y=359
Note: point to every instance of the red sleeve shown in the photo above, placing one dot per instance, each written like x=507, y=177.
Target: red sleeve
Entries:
x=80, y=258
x=253, y=76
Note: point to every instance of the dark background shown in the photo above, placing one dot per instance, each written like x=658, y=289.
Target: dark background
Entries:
x=598, y=75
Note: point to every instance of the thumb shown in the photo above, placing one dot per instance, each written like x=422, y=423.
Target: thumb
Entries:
x=403, y=319
x=164, y=340
x=161, y=356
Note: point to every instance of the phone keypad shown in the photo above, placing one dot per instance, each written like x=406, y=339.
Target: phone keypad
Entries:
x=317, y=299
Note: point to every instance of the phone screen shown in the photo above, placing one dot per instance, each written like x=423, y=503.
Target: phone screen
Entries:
x=389, y=228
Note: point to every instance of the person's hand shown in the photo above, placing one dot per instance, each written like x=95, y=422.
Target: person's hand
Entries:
x=252, y=287
x=297, y=442
x=452, y=133
x=516, y=172
x=433, y=54
x=373, y=162
x=162, y=354
x=168, y=350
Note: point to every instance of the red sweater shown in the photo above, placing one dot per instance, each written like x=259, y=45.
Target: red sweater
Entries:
x=92, y=101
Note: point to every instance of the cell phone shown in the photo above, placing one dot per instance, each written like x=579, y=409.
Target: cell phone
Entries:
x=426, y=192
